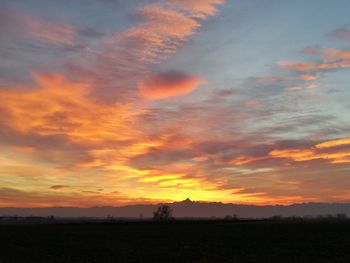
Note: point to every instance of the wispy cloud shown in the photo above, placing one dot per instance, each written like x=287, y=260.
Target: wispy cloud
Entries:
x=24, y=24
x=342, y=33
x=332, y=59
x=164, y=26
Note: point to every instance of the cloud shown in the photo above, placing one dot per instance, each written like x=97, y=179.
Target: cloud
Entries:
x=308, y=77
x=85, y=125
x=329, y=55
x=301, y=155
x=297, y=66
x=168, y=84
x=332, y=59
x=294, y=154
x=126, y=58
x=342, y=33
x=13, y=197
x=295, y=88
x=62, y=117
x=253, y=103
x=58, y=106
x=312, y=86
x=24, y=149
x=24, y=24
x=199, y=8
x=58, y=187
x=335, y=156
x=299, y=87
x=333, y=143
x=269, y=79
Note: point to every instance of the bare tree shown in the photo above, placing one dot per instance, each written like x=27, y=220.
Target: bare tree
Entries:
x=163, y=213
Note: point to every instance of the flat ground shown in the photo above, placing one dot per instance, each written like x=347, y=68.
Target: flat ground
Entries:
x=177, y=242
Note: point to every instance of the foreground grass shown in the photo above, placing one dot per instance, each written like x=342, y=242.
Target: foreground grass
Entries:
x=177, y=242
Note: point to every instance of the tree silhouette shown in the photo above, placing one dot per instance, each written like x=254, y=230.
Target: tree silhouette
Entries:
x=163, y=213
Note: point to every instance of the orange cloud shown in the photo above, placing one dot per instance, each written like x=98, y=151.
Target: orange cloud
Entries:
x=168, y=84
x=81, y=198
x=300, y=155
x=341, y=160
x=295, y=88
x=241, y=160
x=58, y=106
x=333, y=143
x=312, y=86
x=298, y=88
x=297, y=66
x=58, y=187
x=105, y=135
x=23, y=149
x=98, y=141
x=308, y=77
x=294, y=154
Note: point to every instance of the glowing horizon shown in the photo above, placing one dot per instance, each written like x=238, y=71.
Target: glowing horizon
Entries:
x=110, y=103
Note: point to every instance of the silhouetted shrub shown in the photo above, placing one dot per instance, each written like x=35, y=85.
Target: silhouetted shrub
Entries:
x=341, y=216
x=231, y=217
x=163, y=213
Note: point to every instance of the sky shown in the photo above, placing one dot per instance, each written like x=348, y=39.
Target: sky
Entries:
x=111, y=102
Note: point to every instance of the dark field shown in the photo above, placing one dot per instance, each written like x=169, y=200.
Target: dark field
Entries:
x=312, y=242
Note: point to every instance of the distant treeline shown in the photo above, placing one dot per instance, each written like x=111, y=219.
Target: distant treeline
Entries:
x=110, y=219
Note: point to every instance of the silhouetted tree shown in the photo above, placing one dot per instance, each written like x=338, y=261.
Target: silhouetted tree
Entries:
x=163, y=213
x=341, y=216
x=231, y=217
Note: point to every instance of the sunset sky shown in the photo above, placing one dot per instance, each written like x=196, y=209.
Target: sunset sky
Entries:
x=113, y=102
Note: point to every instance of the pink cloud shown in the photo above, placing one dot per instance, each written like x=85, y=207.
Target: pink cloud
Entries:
x=295, y=88
x=164, y=26
x=312, y=86
x=298, y=88
x=199, y=8
x=168, y=84
x=342, y=33
x=297, y=66
x=332, y=58
x=48, y=31
x=308, y=77
x=253, y=103
x=25, y=24
x=329, y=55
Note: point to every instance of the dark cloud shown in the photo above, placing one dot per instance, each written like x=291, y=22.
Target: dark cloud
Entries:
x=58, y=187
